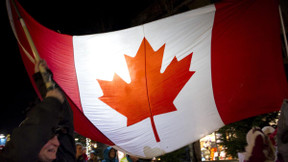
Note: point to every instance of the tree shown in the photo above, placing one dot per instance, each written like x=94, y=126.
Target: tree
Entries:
x=233, y=136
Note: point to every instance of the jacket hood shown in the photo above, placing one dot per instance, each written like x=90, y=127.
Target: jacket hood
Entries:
x=106, y=155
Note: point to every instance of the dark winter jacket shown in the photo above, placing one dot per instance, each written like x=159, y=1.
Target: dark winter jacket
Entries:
x=282, y=133
x=42, y=122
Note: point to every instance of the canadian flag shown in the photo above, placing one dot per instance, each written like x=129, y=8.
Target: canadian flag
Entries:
x=154, y=88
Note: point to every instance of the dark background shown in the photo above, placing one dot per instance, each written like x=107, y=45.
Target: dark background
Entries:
x=73, y=18
x=69, y=17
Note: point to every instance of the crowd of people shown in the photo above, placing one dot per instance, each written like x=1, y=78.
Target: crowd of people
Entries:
x=46, y=134
x=269, y=144
x=109, y=155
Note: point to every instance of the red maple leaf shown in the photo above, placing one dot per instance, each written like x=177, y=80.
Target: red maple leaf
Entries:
x=150, y=93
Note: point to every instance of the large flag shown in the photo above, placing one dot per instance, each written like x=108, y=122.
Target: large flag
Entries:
x=154, y=88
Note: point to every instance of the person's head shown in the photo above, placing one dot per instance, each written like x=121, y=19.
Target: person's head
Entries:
x=84, y=150
x=92, y=154
x=267, y=130
x=112, y=153
x=79, y=149
x=109, y=153
x=49, y=150
x=252, y=134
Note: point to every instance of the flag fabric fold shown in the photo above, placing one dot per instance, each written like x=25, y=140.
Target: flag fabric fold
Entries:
x=151, y=89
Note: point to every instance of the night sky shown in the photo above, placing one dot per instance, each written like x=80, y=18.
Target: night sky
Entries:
x=68, y=17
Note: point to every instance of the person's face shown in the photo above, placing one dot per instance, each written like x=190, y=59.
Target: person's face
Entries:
x=92, y=156
x=78, y=150
x=49, y=150
x=112, y=153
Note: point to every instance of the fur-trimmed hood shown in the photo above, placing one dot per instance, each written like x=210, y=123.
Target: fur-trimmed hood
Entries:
x=250, y=138
x=265, y=148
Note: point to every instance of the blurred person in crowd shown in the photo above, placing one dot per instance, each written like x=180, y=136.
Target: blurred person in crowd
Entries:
x=93, y=157
x=46, y=134
x=110, y=155
x=79, y=153
x=129, y=158
x=84, y=153
x=269, y=131
x=259, y=149
x=270, y=142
